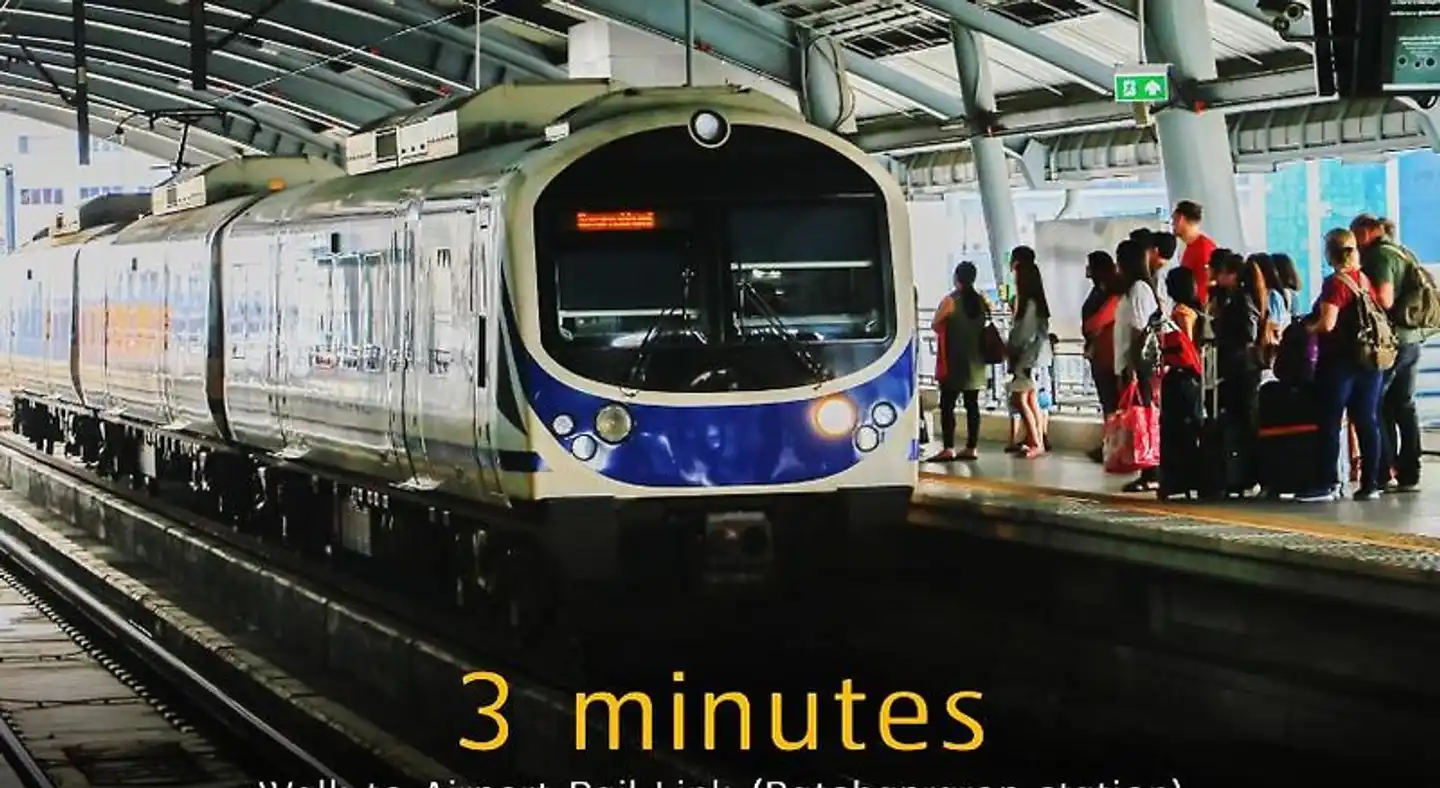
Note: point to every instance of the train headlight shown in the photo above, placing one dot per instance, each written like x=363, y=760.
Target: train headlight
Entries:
x=884, y=415
x=867, y=438
x=563, y=425
x=834, y=417
x=584, y=448
x=613, y=423
x=709, y=129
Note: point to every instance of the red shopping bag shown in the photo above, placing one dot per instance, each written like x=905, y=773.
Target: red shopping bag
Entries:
x=1132, y=434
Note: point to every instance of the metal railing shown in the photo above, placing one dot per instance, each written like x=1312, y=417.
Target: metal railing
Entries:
x=1072, y=389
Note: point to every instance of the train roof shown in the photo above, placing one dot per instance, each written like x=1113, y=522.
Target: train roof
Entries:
x=531, y=111
x=241, y=176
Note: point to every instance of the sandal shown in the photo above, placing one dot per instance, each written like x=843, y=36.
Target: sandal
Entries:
x=969, y=455
x=1140, y=485
x=945, y=455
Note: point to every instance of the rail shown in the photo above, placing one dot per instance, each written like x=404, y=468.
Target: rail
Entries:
x=24, y=771
x=277, y=749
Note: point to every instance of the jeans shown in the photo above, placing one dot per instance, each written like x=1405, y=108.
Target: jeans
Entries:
x=1345, y=387
x=1399, y=421
x=948, y=398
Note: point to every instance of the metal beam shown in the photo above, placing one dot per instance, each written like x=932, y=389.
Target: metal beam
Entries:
x=82, y=82
x=144, y=90
x=763, y=42
x=330, y=96
x=1090, y=72
x=403, y=22
x=1259, y=142
x=1258, y=92
x=199, y=47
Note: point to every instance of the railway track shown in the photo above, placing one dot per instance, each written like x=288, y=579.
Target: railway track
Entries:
x=86, y=697
x=627, y=660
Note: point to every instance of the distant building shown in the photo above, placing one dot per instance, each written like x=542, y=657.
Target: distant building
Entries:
x=48, y=175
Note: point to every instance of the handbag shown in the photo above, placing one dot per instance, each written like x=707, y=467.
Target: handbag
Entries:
x=992, y=345
x=1132, y=434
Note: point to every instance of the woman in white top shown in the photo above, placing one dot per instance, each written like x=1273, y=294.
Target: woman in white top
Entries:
x=1137, y=308
x=1029, y=337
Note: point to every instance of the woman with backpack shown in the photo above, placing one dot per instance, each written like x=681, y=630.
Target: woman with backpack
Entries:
x=960, y=322
x=1181, y=387
x=1350, y=369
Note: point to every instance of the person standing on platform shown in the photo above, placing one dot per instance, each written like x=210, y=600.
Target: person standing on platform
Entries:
x=1132, y=318
x=1097, y=317
x=1029, y=337
x=1386, y=263
x=1186, y=220
x=959, y=321
x=1346, y=384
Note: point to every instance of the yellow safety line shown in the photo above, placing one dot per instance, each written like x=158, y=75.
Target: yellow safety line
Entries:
x=1202, y=513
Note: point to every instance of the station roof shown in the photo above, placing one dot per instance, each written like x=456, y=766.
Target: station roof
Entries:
x=296, y=76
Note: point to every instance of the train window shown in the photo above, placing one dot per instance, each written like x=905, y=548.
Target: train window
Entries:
x=815, y=266
x=612, y=294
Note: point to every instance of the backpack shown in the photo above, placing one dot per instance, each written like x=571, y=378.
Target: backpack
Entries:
x=1374, y=338
x=1177, y=349
x=1148, y=352
x=1297, y=355
x=1417, y=299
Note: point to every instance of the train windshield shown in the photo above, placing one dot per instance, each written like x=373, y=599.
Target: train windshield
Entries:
x=810, y=270
x=774, y=292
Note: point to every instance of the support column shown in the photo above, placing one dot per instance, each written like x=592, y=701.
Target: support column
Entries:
x=992, y=171
x=1194, y=147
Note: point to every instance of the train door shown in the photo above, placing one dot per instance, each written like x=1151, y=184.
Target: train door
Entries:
x=484, y=289
x=279, y=353
x=417, y=267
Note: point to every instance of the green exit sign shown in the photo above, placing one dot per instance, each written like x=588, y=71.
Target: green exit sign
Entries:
x=1135, y=87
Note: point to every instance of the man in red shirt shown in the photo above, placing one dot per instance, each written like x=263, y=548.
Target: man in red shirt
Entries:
x=1198, y=247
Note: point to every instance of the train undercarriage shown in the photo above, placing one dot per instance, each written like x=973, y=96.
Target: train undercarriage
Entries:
x=532, y=570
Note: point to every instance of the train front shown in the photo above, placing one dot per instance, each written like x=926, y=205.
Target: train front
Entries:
x=725, y=353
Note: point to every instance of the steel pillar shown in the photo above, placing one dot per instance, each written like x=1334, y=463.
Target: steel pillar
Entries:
x=81, y=94
x=992, y=171
x=1194, y=146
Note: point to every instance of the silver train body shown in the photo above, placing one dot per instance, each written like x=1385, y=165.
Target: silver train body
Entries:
x=678, y=308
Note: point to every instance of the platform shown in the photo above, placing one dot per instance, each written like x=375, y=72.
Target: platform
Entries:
x=1068, y=502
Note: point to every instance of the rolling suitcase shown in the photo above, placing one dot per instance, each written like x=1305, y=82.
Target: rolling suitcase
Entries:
x=1289, y=436
x=1225, y=465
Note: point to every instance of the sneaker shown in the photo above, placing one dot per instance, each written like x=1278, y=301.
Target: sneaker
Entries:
x=1317, y=495
x=1371, y=494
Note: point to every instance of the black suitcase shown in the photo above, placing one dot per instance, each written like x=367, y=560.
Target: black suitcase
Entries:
x=1182, y=416
x=1226, y=467
x=1288, y=446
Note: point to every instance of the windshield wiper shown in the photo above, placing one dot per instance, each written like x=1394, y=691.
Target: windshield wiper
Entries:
x=796, y=347
x=642, y=357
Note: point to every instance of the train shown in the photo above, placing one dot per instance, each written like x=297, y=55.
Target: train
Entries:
x=569, y=330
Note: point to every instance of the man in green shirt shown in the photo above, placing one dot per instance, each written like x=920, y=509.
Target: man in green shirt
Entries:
x=1385, y=262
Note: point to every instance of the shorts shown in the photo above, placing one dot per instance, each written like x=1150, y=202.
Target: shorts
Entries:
x=1036, y=379
x=1022, y=380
